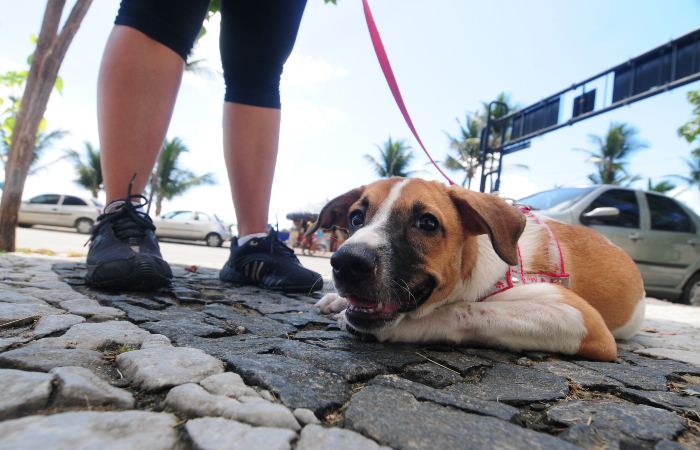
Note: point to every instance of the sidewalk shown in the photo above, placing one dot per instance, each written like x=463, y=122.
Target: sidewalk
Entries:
x=205, y=365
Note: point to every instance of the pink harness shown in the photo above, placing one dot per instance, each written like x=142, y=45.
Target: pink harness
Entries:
x=516, y=276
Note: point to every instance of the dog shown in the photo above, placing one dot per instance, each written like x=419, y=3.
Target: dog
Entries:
x=427, y=263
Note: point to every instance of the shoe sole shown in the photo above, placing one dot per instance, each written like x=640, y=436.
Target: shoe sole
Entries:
x=144, y=275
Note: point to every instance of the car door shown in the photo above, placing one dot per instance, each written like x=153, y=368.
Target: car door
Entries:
x=623, y=230
x=69, y=210
x=202, y=225
x=177, y=225
x=670, y=245
x=40, y=210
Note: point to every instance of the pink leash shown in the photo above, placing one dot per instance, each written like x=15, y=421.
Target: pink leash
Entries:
x=389, y=75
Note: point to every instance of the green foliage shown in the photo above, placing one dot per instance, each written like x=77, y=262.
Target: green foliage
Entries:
x=89, y=173
x=174, y=181
x=662, y=187
x=335, y=2
x=394, y=160
x=465, y=148
x=691, y=130
x=610, y=157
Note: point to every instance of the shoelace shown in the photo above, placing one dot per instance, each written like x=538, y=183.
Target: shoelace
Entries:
x=127, y=222
x=281, y=248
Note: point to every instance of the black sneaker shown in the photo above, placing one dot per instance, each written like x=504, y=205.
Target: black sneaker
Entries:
x=269, y=263
x=124, y=252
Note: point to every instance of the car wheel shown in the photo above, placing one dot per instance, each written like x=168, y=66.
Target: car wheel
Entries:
x=691, y=291
x=24, y=225
x=84, y=226
x=214, y=240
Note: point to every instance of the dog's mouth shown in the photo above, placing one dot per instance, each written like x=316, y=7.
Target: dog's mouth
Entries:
x=367, y=314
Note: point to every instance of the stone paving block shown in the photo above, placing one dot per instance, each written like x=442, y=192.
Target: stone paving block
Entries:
x=458, y=361
x=497, y=356
x=586, y=378
x=319, y=335
x=194, y=327
x=315, y=437
x=296, y=383
x=302, y=319
x=23, y=392
x=266, y=308
x=456, y=400
x=155, y=341
x=55, y=323
x=6, y=343
x=395, y=357
x=15, y=312
x=432, y=375
x=634, y=377
x=348, y=365
x=261, y=326
x=305, y=416
x=155, y=369
x=515, y=386
x=89, y=308
x=40, y=359
x=686, y=356
x=221, y=434
x=77, y=386
x=666, y=400
x=192, y=400
x=373, y=412
x=588, y=437
x=228, y=384
x=18, y=297
x=665, y=366
x=91, y=430
x=625, y=421
x=97, y=336
x=52, y=296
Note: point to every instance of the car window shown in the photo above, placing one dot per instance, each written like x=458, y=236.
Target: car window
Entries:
x=203, y=217
x=73, y=201
x=179, y=215
x=667, y=215
x=97, y=203
x=218, y=219
x=556, y=199
x=624, y=200
x=48, y=199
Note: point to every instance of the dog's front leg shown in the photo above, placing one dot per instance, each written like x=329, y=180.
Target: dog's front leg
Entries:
x=535, y=317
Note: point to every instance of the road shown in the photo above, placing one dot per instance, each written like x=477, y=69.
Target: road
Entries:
x=65, y=240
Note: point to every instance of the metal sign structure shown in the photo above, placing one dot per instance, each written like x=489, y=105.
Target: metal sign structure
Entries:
x=659, y=70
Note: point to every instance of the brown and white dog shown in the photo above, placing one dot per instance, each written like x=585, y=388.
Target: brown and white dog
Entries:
x=423, y=258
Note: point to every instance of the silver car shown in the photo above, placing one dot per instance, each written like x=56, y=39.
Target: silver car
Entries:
x=659, y=233
x=192, y=225
x=60, y=210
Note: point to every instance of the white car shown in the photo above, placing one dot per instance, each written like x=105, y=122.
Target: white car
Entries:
x=60, y=210
x=192, y=225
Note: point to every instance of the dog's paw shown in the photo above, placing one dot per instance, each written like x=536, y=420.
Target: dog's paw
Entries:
x=332, y=303
x=342, y=323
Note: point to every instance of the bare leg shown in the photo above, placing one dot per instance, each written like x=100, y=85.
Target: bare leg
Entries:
x=136, y=91
x=251, y=137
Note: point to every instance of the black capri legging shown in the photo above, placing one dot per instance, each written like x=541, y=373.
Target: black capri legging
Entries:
x=257, y=37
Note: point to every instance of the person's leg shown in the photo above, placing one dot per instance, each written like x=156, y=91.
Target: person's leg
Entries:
x=256, y=40
x=251, y=136
x=136, y=91
x=139, y=78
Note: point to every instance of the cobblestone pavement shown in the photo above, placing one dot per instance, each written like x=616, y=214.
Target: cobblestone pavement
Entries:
x=210, y=366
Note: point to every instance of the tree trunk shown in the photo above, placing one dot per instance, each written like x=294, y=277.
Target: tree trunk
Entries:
x=50, y=50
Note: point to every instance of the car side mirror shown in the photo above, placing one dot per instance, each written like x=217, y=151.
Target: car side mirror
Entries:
x=606, y=212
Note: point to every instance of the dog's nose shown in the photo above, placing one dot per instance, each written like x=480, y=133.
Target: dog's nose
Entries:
x=353, y=262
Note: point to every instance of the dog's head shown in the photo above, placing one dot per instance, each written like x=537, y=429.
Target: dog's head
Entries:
x=411, y=242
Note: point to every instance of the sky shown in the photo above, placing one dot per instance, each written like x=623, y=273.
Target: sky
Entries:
x=448, y=56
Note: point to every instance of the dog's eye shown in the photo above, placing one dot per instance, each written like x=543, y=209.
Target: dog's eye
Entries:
x=357, y=219
x=427, y=222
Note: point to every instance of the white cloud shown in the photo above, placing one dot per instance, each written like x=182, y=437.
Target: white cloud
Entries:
x=516, y=186
x=305, y=71
x=304, y=119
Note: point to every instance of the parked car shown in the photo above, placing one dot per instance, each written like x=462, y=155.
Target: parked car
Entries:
x=192, y=225
x=659, y=233
x=60, y=210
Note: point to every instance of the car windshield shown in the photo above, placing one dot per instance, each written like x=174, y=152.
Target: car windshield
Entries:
x=556, y=199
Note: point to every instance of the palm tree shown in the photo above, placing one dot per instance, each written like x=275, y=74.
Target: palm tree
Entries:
x=693, y=177
x=171, y=180
x=466, y=148
x=662, y=186
x=614, y=148
x=90, y=173
x=394, y=161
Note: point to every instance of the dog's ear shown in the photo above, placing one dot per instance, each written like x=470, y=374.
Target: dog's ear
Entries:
x=336, y=212
x=490, y=214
